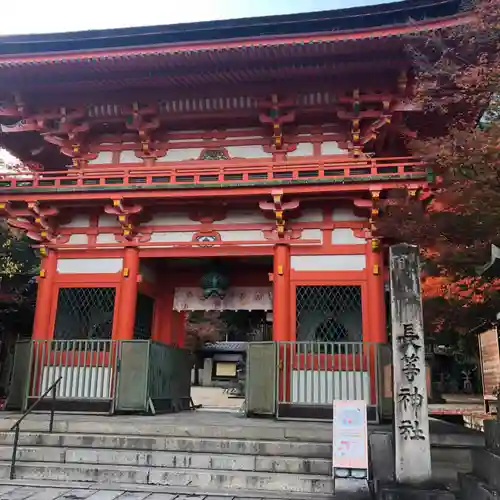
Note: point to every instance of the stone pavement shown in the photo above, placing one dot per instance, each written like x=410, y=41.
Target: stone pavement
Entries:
x=215, y=398
x=17, y=492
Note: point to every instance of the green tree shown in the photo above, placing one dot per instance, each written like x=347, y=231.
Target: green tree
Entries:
x=19, y=264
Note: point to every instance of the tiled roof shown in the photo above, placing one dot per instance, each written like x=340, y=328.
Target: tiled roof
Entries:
x=274, y=27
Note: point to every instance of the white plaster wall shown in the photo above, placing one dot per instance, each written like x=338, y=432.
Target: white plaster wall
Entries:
x=312, y=234
x=253, y=151
x=303, y=149
x=89, y=266
x=328, y=262
x=108, y=221
x=177, y=236
x=78, y=239
x=241, y=236
x=106, y=238
x=129, y=157
x=172, y=219
x=332, y=148
x=182, y=154
x=323, y=387
x=78, y=221
x=311, y=215
x=244, y=217
x=103, y=158
x=345, y=236
x=344, y=214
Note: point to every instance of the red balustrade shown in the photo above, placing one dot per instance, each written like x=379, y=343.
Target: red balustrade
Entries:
x=210, y=174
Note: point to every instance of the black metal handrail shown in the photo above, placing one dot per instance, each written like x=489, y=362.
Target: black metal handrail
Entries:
x=17, y=425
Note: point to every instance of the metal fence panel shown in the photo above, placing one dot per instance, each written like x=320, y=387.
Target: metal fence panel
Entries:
x=87, y=369
x=314, y=374
x=169, y=377
x=260, y=378
x=132, y=384
x=19, y=376
x=386, y=400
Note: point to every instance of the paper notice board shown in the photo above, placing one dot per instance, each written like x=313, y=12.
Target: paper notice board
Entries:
x=350, y=435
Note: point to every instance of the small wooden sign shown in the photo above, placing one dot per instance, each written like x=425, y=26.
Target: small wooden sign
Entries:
x=489, y=351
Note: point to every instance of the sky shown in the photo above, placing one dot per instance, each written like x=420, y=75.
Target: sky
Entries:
x=50, y=16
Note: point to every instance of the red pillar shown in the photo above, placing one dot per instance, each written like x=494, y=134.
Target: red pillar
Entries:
x=377, y=332
x=163, y=317
x=281, y=318
x=45, y=297
x=281, y=293
x=127, y=296
x=179, y=328
x=376, y=297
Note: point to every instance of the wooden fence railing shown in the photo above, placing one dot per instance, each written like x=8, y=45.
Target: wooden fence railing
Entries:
x=223, y=173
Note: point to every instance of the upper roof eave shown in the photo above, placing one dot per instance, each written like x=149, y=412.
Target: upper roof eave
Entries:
x=9, y=60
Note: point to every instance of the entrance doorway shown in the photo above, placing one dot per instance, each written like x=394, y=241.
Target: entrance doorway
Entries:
x=225, y=303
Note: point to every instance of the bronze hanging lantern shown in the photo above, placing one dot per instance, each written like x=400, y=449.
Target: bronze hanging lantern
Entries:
x=214, y=284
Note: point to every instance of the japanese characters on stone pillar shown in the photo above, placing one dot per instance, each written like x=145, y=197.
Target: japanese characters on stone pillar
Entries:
x=411, y=420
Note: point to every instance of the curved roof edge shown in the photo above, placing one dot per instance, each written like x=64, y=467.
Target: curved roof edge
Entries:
x=352, y=19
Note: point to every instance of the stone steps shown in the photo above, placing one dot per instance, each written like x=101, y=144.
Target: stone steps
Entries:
x=151, y=460
x=194, y=479
x=219, y=455
x=472, y=487
x=268, y=431
x=171, y=460
x=173, y=444
x=484, y=481
x=78, y=490
x=486, y=466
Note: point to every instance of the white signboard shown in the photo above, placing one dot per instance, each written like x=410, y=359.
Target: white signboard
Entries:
x=350, y=439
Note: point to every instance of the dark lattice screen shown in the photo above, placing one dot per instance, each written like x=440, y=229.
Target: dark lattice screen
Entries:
x=85, y=313
x=143, y=317
x=329, y=313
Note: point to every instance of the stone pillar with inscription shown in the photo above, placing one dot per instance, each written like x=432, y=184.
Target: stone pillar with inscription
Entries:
x=411, y=419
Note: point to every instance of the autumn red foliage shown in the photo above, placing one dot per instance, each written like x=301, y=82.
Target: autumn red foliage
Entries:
x=456, y=223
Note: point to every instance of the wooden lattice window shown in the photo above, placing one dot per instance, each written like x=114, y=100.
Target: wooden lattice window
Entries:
x=85, y=313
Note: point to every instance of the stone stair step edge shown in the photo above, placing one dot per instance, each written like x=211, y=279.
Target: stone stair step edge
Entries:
x=159, y=459
x=176, y=478
x=126, y=468
x=215, y=446
x=151, y=488
x=95, y=435
x=436, y=441
x=281, y=433
x=6, y=450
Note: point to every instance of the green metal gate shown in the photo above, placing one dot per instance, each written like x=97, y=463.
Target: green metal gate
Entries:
x=261, y=378
x=132, y=385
